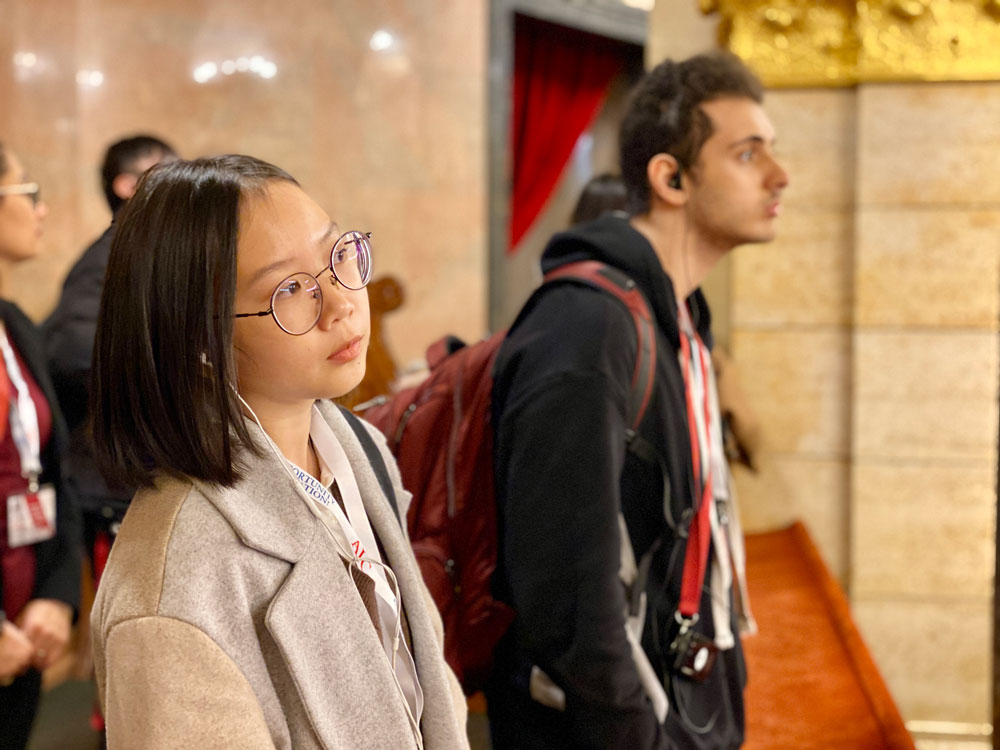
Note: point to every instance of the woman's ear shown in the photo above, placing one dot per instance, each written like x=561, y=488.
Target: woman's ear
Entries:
x=666, y=179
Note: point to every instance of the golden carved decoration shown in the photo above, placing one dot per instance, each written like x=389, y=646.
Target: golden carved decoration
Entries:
x=842, y=42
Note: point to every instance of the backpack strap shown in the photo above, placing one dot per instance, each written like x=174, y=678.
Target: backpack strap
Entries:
x=374, y=456
x=617, y=283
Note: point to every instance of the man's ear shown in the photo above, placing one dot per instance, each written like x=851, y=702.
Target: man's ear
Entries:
x=124, y=185
x=666, y=179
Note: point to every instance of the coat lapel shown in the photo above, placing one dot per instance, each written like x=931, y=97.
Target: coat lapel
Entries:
x=317, y=619
x=334, y=655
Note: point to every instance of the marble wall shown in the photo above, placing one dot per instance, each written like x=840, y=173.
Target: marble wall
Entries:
x=386, y=131
x=867, y=339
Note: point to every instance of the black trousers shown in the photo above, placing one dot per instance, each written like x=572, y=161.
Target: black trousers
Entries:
x=18, y=704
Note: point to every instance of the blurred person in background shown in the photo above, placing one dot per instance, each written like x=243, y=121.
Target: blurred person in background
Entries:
x=603, y=194
x=69, y=342
x=39, y=521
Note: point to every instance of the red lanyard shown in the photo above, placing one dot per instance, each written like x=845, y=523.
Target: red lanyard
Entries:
x=700, y=531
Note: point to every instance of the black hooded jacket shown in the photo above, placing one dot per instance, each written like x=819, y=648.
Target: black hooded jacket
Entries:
x=562, y=474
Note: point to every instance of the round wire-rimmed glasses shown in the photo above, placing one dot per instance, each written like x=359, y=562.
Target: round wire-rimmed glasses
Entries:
x=297, y=300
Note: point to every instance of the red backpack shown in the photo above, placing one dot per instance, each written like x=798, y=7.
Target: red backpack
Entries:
x=441, y=436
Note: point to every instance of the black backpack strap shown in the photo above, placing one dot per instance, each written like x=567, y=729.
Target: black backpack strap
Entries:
x=374, y=458
x=617, y=283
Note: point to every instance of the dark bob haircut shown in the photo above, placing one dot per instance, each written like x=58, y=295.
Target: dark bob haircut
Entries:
x=162, y=390
x=664, y=114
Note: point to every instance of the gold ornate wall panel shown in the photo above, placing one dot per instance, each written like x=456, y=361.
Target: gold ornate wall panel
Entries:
x=840, y=42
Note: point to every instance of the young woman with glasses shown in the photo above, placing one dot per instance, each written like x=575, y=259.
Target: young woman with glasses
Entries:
x=40, y=530
x=261, y=592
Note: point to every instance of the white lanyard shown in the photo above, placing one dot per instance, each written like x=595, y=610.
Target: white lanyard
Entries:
x=356, y=530
x=355, y=524
x=23, y=417
x=727, y=534
x=699, y=364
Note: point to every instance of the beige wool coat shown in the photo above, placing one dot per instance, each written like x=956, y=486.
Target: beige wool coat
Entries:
x=226, y=619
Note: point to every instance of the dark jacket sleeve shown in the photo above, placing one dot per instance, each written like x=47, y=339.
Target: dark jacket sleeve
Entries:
x=560, y=449
x=70, y=330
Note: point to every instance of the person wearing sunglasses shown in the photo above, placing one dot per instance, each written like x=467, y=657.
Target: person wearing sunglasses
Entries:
x=261, y=592
x=40, y=530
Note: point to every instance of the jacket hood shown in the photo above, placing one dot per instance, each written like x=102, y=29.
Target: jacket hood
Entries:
x=613, y=240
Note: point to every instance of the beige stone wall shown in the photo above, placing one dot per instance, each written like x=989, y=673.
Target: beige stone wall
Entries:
x=924, y=413
x=791, y=327
x=867, y=340
x=393, y=141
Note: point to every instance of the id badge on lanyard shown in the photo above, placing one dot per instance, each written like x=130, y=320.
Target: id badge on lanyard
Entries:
x=31, y=517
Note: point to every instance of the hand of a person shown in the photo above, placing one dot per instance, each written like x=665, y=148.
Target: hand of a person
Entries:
x=16, y=652
x=46, y=623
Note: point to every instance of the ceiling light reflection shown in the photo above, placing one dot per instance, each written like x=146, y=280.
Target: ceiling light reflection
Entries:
x=205, y=72
x=90, y=78
x=25, y=59
x=257, y=65
x=381, y=40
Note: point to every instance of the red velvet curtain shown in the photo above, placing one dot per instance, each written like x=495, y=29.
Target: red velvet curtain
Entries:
x=560, y=78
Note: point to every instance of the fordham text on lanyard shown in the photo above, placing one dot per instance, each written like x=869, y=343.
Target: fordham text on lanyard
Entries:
x=31, y=517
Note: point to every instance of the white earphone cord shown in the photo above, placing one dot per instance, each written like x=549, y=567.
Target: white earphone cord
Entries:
x=351, y=559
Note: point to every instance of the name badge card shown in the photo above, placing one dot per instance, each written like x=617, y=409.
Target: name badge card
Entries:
x=31, y=518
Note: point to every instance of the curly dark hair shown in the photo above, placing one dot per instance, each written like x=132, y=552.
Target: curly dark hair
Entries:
x=664, y=115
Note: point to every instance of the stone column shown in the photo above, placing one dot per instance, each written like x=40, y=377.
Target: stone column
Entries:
x=924, y=412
